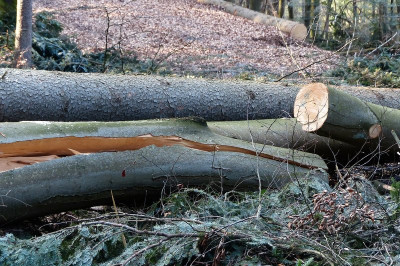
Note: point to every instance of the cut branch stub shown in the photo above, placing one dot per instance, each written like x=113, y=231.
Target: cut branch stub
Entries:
x=374, y=131
x=311, y=106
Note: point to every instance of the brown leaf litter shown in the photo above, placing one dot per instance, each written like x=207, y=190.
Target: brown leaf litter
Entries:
x=190, y=37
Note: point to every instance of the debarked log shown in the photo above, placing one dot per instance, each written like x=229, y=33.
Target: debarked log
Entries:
x=336, y=114
x=32, y=95
x=296, y=30
x=50, y=167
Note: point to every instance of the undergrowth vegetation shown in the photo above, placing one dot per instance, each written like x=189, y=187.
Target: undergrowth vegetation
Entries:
x=305, y=223
x=382, y=70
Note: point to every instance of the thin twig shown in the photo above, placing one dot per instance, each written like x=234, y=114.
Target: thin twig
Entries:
x=381, y=45
x=140, y=232
x=143, y=250
x=396, y=138
x=116, y=213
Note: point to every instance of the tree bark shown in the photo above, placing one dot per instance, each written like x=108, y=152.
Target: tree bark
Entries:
x=23, y=35
x=255, y=5
x=273, y=7
x=282, y=5
x=333, y=113
x=290, y=9
x=295, y=30
x=57, y=96
x=285, y=133
x=398, y=13
x=307, y=13
x=315, y=17
x=382, y=20
x=79, y=163
x=328, y=13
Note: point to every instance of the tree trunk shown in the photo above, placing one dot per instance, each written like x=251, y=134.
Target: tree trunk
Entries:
x=290, y=10
x=282, y=5
x=77, y=164
x=398, y=13
x=57, y=96
x=315, y=17
x=383, y=27
x=328, y=13
x=355, y=16
x=373, y=10
x=295, y=30
x=333, y=113
x=255, y=5
x=307, y=13
x=273, y=7
x=391, y=22
x=23, y=34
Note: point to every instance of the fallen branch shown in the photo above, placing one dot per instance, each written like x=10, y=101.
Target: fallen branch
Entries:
x=136, y=160
x=286, y=133
x=296, y=30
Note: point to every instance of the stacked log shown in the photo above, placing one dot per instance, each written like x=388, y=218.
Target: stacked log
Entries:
x=47, y=167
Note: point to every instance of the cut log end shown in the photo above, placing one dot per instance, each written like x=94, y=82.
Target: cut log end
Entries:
x=375, y=131
x=299, y=32
x=311, y=106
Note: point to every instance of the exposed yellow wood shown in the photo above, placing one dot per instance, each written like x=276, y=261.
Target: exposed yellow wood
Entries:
x=311, y=106
x=69, y=146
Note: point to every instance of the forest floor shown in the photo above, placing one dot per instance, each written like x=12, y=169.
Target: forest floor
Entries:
x=186, y=37
x=307, y=222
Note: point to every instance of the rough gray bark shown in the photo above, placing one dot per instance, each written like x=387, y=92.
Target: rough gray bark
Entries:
x=56, y=96
x=193, y=157
x=23, y=34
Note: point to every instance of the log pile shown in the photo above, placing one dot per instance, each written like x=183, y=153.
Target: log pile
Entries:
x=48, y=167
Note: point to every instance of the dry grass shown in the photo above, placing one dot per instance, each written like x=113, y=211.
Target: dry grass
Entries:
x=191, y=37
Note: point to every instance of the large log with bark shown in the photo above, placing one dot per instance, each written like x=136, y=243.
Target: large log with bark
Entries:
x=57, y=96
x=294, y=29
x=49, y=167
x=286, y=133
x=336, y=114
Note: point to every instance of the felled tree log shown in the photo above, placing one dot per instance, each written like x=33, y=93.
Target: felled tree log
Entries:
x=333, y=113
x=294, y=29
x=77, y=164
x=33, y=95
x=286, y=133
